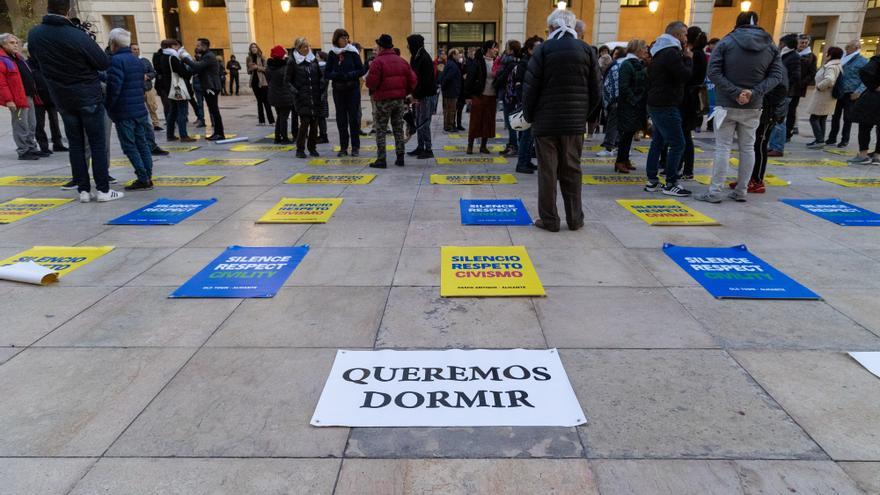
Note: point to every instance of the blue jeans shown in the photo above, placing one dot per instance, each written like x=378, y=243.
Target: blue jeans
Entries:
x=133, y=140
x=80, y=125
x=525, y=148
x=199, y=105
x=177, y=114
x=348, y=117
x=777, y=138
x=668, y=133
x=423, y=115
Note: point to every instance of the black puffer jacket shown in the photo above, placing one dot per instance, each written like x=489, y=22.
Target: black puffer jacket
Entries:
x=423, y=66
x=668, y=74
x=280, y=92
x=305, y=78
x=475, y=82
x=562, y=87
x=792, y=63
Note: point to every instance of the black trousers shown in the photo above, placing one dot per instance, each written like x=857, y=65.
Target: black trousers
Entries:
x=233, y=79
x=864, y=137
x=212, y=100
x=285, y=114
x=762, y=139
x=42, y=138
x=262, y=95
x=841, y=110
x=559, y=160
x=624, y=146
x=308, y=127
x=791, y=118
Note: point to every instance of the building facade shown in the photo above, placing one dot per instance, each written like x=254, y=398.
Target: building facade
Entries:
x=232, y=25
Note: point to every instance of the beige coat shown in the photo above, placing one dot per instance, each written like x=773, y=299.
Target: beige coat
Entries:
x=822, y=103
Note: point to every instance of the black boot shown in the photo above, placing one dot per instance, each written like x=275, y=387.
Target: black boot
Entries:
x=415, y=152
x=379, y=163
x=399, y=161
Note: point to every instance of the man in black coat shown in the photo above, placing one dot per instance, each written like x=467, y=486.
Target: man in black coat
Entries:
x=46, y=111
x=207, y=69
x=423, y=65
x=809, y=66
x=792, y=62
x=562, y=87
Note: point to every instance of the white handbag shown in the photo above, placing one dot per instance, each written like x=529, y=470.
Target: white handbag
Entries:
x=178, y=90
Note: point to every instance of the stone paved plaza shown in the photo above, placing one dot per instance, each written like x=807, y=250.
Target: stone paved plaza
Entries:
x=108, y=386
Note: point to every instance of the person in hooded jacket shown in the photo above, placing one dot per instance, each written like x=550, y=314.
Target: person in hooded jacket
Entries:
x=390, y=80
x=305, y=77
x=866, y=112
x=423, y=65
x=745, y=66
x=18, y=93
x=808, y=74
x=451, y=81
x=773, y=114
x=178, y=90
x=344, y=70
x=792, y=62
x=632, y=113
x=280, y=95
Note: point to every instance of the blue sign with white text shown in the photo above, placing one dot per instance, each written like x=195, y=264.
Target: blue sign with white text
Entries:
x=244, y=272
x=837, y=211
x=163, y=211
x=494, y=212
x=734, y=272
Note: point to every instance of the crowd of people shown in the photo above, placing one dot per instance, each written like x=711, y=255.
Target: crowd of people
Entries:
x=550, y=91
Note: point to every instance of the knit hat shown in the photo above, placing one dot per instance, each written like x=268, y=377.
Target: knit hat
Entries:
x=278, y=52
x=385, y=42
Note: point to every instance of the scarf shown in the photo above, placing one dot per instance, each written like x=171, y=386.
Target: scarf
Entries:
x=303, y=58
x=171, y=52
x=628, y=57
x=347, y=48
x=560, y=32
x=665, y=41
x=785, y=50
x=806, y=51
x=847, y=58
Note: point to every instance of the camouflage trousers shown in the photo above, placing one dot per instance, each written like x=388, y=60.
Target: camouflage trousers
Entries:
x=392, y=110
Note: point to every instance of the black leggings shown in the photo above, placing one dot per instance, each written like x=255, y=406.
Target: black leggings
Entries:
x=865, y=137
x=624, y=144
x=762, y=139
x=262, y=94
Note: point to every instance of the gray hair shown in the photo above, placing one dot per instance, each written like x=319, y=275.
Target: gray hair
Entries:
x=802, y=37
x=854, y=44
x=580, y=26
x=120, y=37
x=5, y=37
x=561, y=18
x=676, y=26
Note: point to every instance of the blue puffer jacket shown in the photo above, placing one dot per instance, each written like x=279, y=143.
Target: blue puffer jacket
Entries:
x=849, y=78
x=125, y=87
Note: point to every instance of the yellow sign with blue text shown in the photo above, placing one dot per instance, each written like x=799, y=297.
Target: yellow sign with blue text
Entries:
x=473, y=179
x=302, y=210
x=61, y=259
x=16, y=209
x=182, y=180
x=853, y=181
x=664, y=212
x=344, y=179
x=233, y=162
x=34, y=180
x=482, y=271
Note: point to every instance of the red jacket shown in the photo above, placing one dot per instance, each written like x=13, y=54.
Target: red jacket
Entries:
x=390, y=77
x=11, y=87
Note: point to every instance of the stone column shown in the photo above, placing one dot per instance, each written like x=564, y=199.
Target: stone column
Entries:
x=699, y=13
x=606, y=21
x=423, y=23
x=332, y=18
x=847, y=18
x=515, y=20
x=239, y=15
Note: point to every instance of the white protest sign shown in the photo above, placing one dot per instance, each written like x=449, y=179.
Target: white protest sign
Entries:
x=515, y=387
x=870, y=360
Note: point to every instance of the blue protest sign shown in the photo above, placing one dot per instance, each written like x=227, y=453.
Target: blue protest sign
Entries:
x=163, y=211
x=836, y=211
x=244, y=272
x=494, y=212
x=734, y=272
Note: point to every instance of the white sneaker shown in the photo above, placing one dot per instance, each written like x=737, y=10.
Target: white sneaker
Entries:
x=85, y=197
x=110, y=195
x=606, y=153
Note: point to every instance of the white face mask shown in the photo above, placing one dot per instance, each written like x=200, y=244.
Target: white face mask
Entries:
x=460, y=60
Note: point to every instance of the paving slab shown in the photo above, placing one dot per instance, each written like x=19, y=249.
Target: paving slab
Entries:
x=419, y=317
x=44, y=476
x=51, y=233
x=829, y=394
x=590, y=268
x=465, y=476
x=209, y=476
x=820, y=268
x=176, y=268
x=865, y=474
x=418, y=267
x=75, y=402
x=679, y=404
x=151, y=237
x=248, y=233
x=858, y=304
x=7, y=353
x=346, y=266
x=592, y=235
x=39, y=310
x=351, y=233
x=446, y=233
x=117, y=267
x=306, y=317
x=238, y=403
x=644, y=236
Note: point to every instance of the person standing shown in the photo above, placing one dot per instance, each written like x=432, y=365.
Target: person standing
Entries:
x=178, y=91
x=745, y=66
x=562, y=88
x=256, y=67
x=125, y=105
x=71, y=61
x=823, y=101
x=46, y=110
x=345, y=69
x=526, y=145
x=670, y=70
x=691, y=111
x=221, y=70
x=451, y=82
x=149, y=92
x=207, y=69
x=18, y=92
x=234, y=69
x=632, y=115
x=480, y=89
x=843, y=92
x=808, y=76
x=197, y=102
x=280, y=95
x=866, y=112
x=324, y=114
x=504, y=89
x=390, y=79
x=772, y=115
x=792, y=63
x=423, y=66
x=305, y=77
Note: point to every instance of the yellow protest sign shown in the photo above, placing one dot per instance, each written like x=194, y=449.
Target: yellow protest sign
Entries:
x=119, y=162
x=302, y=210
x=61, y=259
x=180, y=148
x=495, y=148
x=462, y=136
x=473, y=179
x=16, y=209
x=232, y=162
x=182, y=180
x=614, y=179
x=769, y=180
x=349, y=160
x=262, y=147
x=369, y=147
x=853, y=181
x=597, y=161
x=472, y=160
x=331, y=179
x=487, y=271
x=807, y=163
x=839, y=152
x=34, y=181
x=642, y=149
x=664, y=212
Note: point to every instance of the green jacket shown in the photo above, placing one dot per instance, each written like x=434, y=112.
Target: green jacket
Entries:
x=632, y=111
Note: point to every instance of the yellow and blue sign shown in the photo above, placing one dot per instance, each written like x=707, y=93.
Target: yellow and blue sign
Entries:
x=18, y=208
x=301, y=210
x=494, y=212
x=736, y=273
x=487, y=271
x=665, y=212
x=837, y=211
x=244, y=272
x=61, y=259
x=163, y=211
